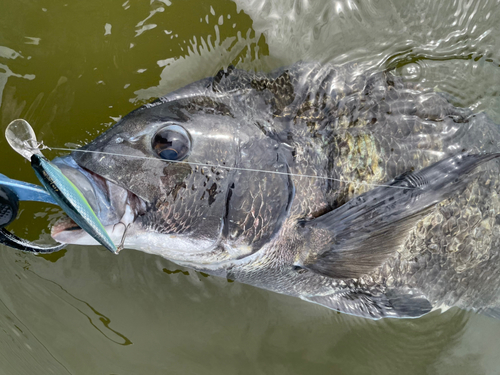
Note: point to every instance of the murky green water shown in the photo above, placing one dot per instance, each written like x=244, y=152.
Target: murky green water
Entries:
x=72, y=68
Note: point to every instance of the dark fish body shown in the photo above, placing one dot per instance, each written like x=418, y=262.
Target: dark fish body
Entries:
x=428, y=241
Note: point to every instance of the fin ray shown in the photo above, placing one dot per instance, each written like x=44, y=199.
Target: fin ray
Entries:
x=360, y=235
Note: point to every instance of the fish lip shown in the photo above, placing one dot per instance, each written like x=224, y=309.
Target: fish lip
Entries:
x=67, y=231
x=113, y=205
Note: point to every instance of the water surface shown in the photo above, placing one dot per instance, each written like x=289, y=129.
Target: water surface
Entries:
x=72, y=69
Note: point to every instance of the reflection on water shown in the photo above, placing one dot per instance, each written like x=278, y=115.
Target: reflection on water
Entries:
x=73, y=69
x=219, y=46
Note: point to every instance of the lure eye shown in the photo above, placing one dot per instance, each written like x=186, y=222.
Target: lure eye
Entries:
x=172, y=143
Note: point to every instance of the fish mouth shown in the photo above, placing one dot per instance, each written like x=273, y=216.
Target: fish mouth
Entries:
x=117, y=208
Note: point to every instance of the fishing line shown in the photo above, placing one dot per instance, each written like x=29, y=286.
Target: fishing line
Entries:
x=217, y=166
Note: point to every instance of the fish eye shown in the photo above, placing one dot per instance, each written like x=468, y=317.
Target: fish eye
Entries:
x=172, y=143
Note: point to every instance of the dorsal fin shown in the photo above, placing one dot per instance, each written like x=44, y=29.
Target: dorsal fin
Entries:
x=359, y=236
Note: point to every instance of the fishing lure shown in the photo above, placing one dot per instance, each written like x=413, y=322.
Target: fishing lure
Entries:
x=22, y=139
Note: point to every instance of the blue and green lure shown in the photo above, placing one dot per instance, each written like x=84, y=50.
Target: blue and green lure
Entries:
x=22, y=139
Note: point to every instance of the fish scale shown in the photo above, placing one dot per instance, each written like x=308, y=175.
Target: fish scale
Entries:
x=408, y=129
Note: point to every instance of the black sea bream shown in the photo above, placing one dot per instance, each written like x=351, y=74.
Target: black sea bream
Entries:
x=403, y=217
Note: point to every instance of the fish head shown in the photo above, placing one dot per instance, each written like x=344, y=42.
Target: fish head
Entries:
x=194, y=177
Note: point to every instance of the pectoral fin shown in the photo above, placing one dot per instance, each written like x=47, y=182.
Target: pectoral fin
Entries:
x=359, y=236
x=393, y=303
